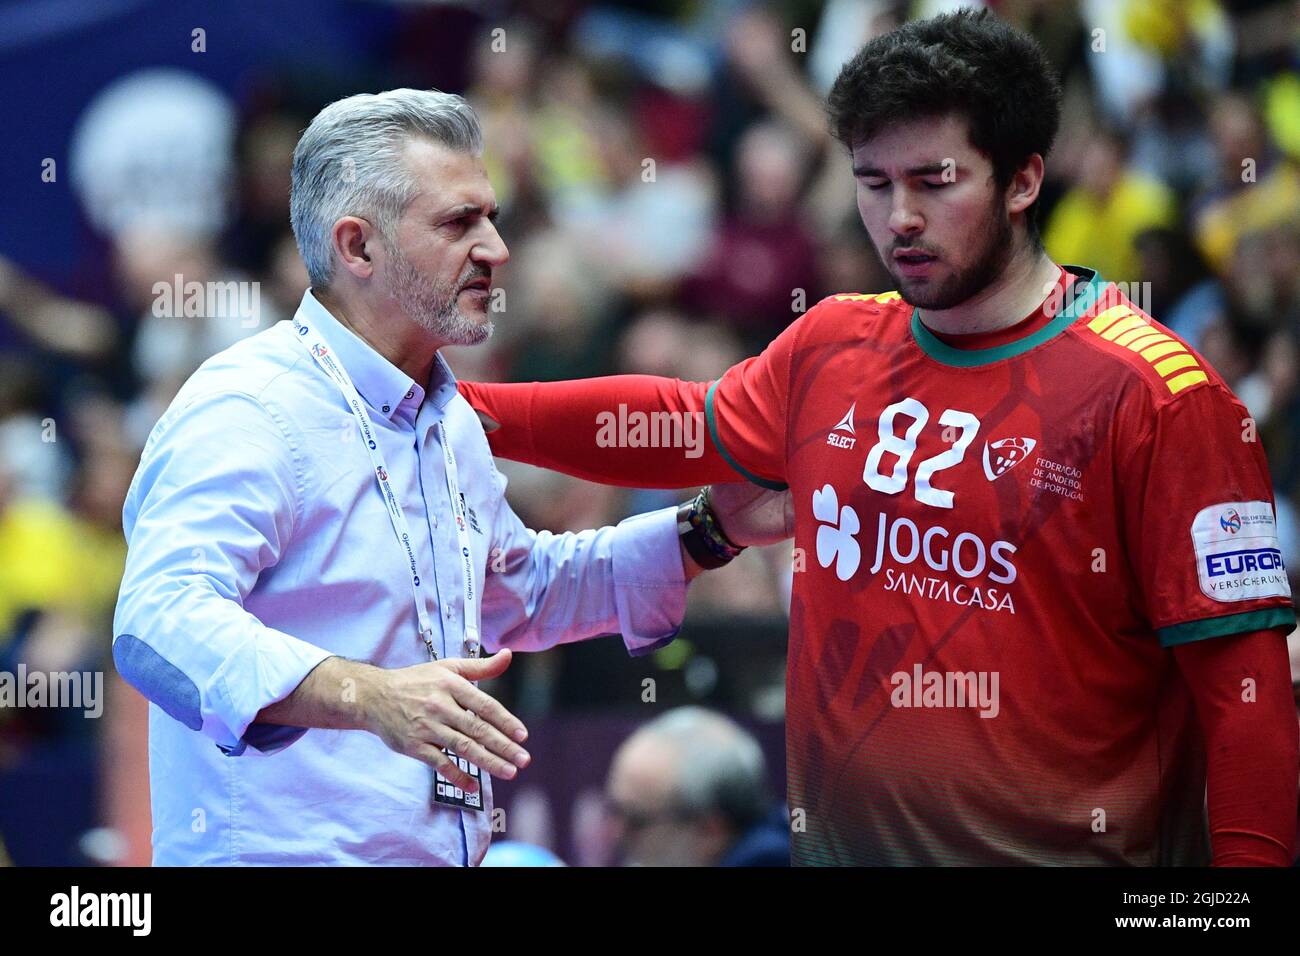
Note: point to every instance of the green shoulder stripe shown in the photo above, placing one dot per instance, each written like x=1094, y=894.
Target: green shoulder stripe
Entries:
x=1230, y=624
x=711, y=418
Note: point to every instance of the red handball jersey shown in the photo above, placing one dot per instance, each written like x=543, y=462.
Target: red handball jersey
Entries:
x=994, y=550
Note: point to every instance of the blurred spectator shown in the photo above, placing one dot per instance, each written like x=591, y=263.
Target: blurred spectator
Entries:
x=156, y=146
x=762, y=255
x=1170, y=141
x=554, y=315
x=1251, y=187
x=262, y=195
x=1097, y=220
x=38, y=548
x=1185, y=295
x=40, y=318
x=689, y=789
x=61, y=564
x=647, y=224
x=190, y=305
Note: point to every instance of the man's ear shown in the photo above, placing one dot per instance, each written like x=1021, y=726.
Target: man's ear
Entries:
x=1026, y=183
x=351, y=237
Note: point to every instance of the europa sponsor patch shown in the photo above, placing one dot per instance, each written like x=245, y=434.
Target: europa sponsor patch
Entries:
x=1237, y=553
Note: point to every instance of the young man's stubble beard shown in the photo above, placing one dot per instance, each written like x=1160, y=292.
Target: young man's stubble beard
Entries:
x=434, y=306
x=991, y=262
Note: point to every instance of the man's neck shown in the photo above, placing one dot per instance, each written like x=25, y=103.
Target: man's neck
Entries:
x=1015, y=294
x=410, y=348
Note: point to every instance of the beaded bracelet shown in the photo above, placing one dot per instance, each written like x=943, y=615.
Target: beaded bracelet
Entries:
x=701, y=535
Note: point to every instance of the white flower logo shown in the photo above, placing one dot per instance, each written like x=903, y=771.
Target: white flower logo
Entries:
x=835, y=536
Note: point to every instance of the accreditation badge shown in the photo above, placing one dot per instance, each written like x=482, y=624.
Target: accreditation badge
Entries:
x=449, y=795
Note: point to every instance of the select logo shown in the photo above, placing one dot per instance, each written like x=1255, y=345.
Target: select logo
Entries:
x=842, y=435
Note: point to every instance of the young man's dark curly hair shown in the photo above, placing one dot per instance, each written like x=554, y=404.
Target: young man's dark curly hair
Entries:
x=968, y=63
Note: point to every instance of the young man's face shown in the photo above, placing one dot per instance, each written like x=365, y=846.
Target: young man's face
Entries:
x=937, y=219
x=439, y=269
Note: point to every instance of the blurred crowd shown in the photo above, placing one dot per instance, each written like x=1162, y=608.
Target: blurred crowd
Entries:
x=672, y=200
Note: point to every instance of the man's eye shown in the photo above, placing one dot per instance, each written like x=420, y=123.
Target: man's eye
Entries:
x=876, y=186
x=935, y=184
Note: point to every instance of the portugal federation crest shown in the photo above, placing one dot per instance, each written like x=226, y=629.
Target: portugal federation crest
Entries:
x=1004, y=454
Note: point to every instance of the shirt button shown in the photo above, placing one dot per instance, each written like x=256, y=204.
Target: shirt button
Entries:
x=410, y=394
x=446, y=611
x=386, y=408
x=433, y=520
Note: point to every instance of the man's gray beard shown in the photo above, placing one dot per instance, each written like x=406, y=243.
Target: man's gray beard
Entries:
x=971, y=281
x=433, y=306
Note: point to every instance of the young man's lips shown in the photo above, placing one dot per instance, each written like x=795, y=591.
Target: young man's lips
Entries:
x=915, y=264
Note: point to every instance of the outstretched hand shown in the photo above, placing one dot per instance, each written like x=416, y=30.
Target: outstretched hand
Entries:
x=751, y=515
x=426, y=707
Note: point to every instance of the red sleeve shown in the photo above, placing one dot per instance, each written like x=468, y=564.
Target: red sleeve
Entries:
x=610, y=430
x=1242, y=690
x=747, y=411
x=643, y=431
x=1199, y=520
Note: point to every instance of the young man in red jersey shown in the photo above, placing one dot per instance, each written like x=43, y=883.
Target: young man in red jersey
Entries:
x=1043, y=600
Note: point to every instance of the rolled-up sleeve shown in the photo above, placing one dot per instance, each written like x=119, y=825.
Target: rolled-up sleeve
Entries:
x=544, y=589
x=649, y=583
x=213, y=504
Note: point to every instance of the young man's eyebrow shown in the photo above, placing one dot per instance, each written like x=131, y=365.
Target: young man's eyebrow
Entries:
x=929, y=169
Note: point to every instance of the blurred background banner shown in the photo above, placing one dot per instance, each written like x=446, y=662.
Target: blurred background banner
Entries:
x=672, y=201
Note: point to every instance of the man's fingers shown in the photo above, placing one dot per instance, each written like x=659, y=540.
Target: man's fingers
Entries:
x=490, y=710
x=464, y=746
x=504, y=757
x=434, y=757
x=480, y=668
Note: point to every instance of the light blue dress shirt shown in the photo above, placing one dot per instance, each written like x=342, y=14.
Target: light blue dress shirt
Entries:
x=259, y=545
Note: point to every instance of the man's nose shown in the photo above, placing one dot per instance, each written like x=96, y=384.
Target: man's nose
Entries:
x=904, y=219
x=492, y=250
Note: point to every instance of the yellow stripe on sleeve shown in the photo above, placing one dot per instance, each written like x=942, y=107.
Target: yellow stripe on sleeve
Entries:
x=1163, y=349
x=1124, y=325
x=1131, y=336
x=1104, y=319
x=1146, y=341
x=1174, y=363
x=1180, y=382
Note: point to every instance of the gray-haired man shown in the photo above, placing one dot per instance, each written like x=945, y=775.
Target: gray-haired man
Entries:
x=320, y=543
x=690, y=788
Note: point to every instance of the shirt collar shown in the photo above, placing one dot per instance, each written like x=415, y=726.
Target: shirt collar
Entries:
x=382, y=385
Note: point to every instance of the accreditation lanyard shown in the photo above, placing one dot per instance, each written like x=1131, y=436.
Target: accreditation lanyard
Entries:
x=324, y=357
